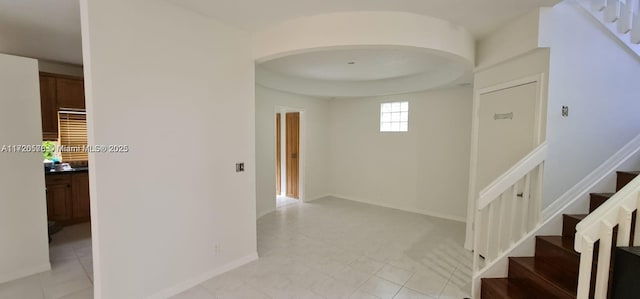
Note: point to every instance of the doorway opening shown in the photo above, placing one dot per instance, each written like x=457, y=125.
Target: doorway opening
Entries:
x=289, y=163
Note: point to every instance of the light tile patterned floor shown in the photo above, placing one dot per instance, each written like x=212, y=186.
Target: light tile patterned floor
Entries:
x=333, y=248
x=330, y=248
x=71, y=276
x=282, y=201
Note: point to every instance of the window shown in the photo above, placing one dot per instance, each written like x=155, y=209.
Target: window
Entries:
x=73, y=135
x=394, y=117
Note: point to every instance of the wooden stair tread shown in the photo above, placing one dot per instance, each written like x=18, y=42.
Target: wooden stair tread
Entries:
x=630, y=172
x=606, y=194
x=577, y=216
x=569, y=222
x=624, y=177
x=564, y=243
x=597, y=199
x=539, y=278
x=504, y=288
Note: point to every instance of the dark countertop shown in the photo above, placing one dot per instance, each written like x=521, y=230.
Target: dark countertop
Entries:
x=73, y=170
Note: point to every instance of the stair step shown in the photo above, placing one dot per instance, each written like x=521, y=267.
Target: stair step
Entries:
x=503, y=288
x=624, y=177
x=531, y=274
x=560, y=259
x=569, y=223
x=597, y=199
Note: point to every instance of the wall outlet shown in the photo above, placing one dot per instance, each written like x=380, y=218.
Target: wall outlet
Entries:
x=240, y=167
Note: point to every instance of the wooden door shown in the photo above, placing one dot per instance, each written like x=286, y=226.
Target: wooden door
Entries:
x=293, y=152
x=278, y=156
x=80, y=188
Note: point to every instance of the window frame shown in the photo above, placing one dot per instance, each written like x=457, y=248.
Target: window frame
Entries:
x=394, y=117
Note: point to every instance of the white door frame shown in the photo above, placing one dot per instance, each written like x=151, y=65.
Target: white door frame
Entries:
x=538, y=136
x=283, y=110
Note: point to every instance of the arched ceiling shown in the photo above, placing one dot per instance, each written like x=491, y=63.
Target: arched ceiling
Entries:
x=478, y=16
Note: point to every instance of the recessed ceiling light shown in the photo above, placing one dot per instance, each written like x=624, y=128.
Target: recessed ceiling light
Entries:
x=351, y=62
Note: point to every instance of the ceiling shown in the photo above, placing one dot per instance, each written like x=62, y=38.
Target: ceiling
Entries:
x=478, y=16
x=357, y=64
x=50, y=30
x=44, y=29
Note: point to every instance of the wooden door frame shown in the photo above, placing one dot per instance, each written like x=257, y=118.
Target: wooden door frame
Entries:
x=302, y=153
x=278, y=153
x=538, y=138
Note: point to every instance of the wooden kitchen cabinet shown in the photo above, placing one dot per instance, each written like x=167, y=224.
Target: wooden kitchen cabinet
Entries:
x=70, y=93
x=49, y=109
x=59, y=198
x=68, y=198
x=80, y=193
x=56, y=92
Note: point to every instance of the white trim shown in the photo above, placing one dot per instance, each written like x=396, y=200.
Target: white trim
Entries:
x=513, y=175
x=473, y=165
x=583, y=187
x=25, y=272
x=190, y=283
x=265, y=213
x=317, y=197
x=411, y=210
x=506, y=60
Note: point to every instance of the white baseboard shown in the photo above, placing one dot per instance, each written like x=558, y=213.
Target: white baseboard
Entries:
x=317, y=197
x=585, y=186
x=183, y=286
x=417, y=211
x=25, y=272
x=265, y=213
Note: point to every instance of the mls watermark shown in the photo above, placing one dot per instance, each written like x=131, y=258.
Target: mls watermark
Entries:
x=39, y=148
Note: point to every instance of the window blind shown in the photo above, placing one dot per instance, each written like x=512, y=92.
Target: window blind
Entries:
x=73, y=135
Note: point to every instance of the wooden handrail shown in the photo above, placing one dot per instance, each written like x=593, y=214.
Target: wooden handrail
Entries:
x=513, y=175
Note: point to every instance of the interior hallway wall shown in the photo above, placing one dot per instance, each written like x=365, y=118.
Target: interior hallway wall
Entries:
x=425, y=170
x=172, y=211
x=597, y=79
x=23, y=213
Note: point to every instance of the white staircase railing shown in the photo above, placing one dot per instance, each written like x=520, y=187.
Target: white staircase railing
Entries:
x=599, y=226
x=508, y=208
x=620, y=17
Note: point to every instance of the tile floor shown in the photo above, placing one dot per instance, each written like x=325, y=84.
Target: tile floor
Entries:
x=330, y=248
x=333, y=248
x=282, y=201
x=71, y=276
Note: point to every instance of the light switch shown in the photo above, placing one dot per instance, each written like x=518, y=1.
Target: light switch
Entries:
x=565, y=111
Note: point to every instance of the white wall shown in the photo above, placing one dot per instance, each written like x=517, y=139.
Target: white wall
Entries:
x=315, y=128
x=598, y=80
x=425, y=170
x=178, y=89
x=23, y=217
x=515, y=38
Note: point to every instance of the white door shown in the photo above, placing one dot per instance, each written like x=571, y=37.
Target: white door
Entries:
x=508, y=128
